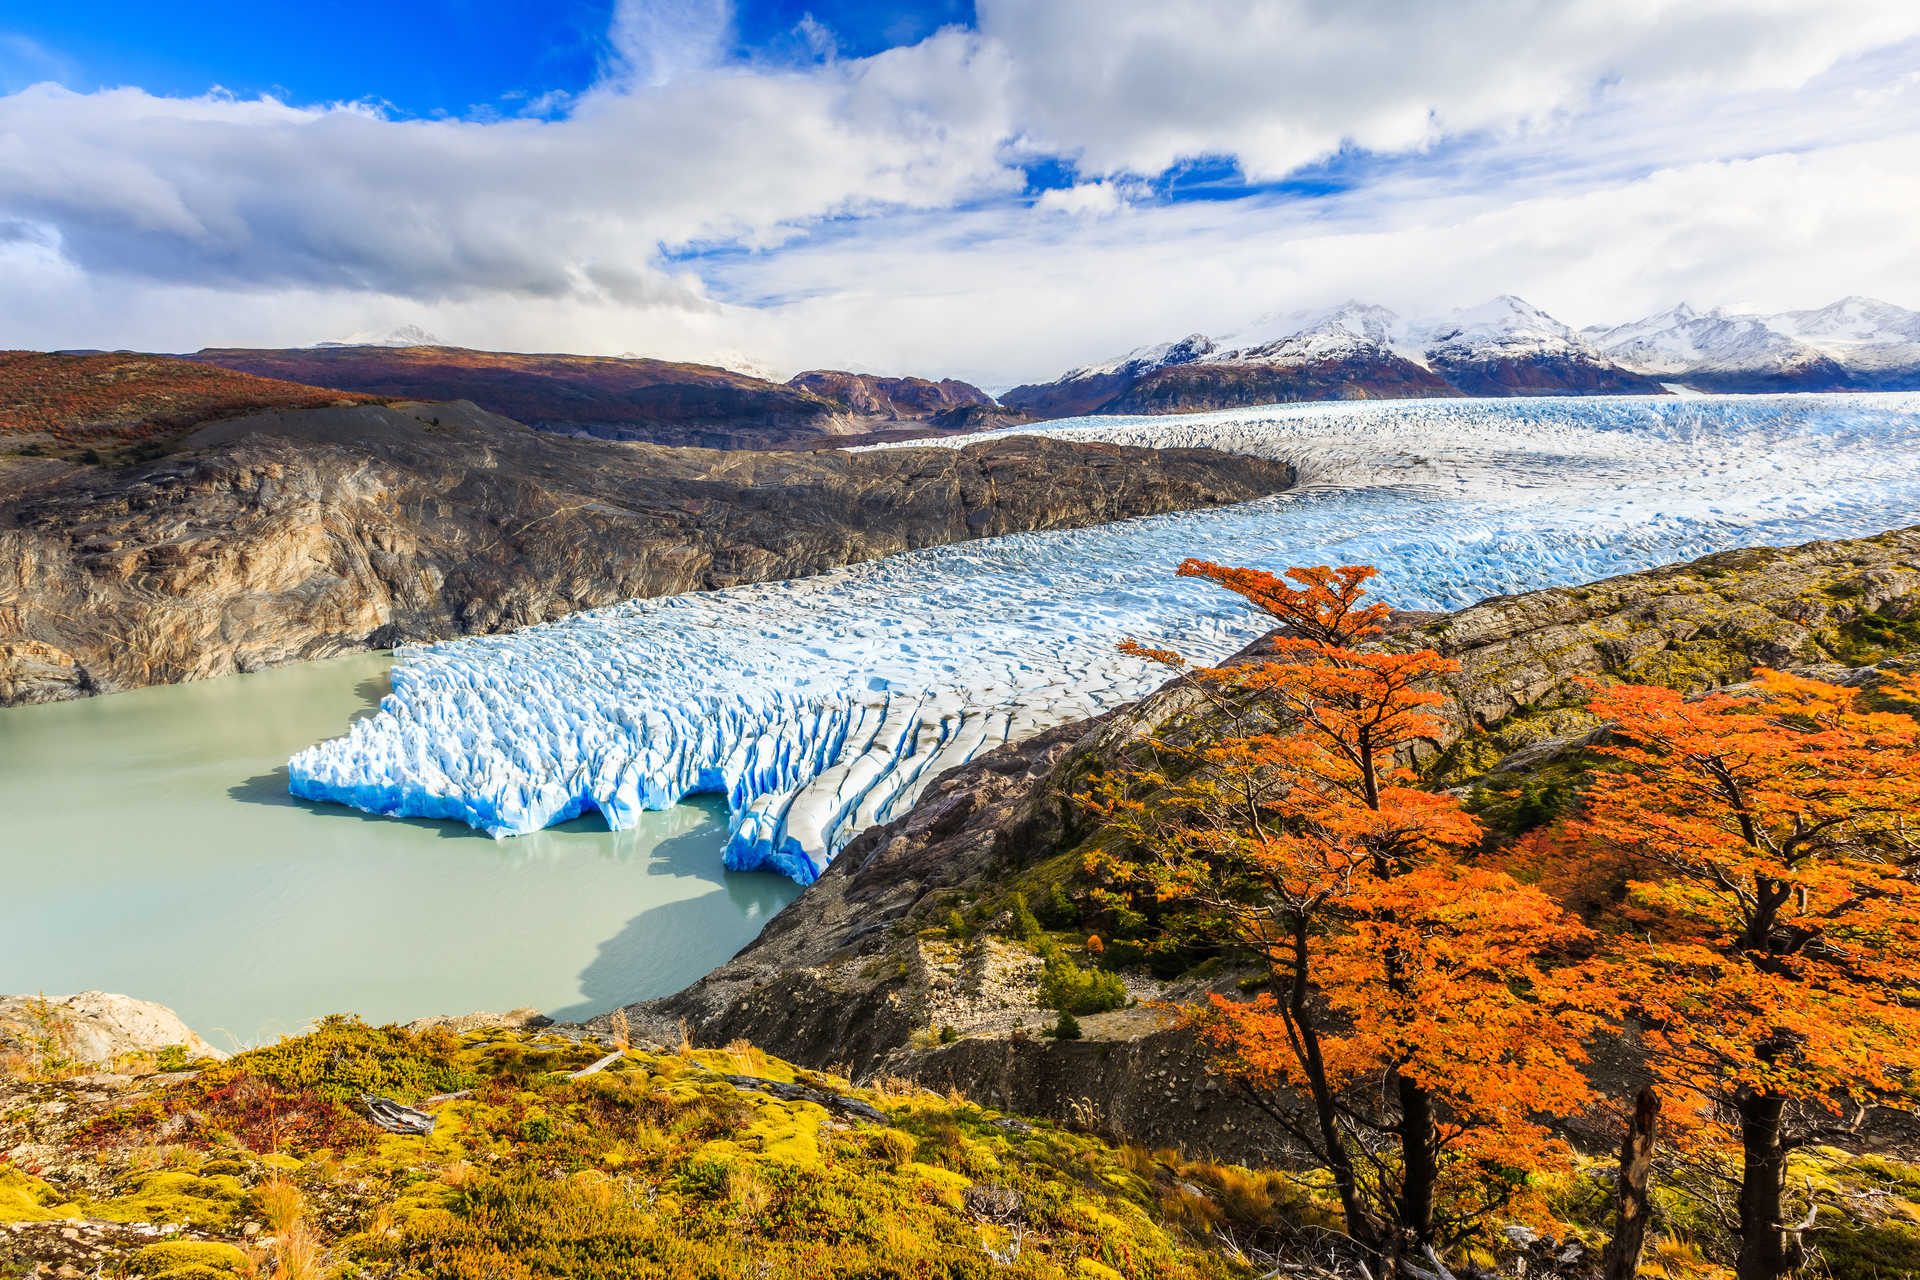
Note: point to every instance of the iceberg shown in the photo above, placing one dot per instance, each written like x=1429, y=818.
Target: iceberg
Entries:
x=824, y=705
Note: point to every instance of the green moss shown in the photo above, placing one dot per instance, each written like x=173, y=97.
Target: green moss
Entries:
x=25, y=1198
x=1871, y=1251
x=211, y=1203
x=1873, y=636
x=180, y=1259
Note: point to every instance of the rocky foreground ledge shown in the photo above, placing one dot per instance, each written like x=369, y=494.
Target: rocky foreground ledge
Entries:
x=292, y=535
x=860, y=975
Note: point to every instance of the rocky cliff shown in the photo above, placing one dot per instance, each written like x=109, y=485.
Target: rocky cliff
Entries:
x=858, y=972
x=284, y=536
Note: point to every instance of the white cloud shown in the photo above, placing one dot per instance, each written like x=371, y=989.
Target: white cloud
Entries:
x=1086, y=199
x=1600, y=158
x=660, y=41
x=1135, y=85
x=258, y=192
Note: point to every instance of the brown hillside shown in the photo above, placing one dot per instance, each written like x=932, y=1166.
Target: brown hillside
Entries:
x=52, y=402
x=613, y=397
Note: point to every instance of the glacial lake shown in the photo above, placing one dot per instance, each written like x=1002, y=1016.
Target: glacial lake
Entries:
x=151, y=848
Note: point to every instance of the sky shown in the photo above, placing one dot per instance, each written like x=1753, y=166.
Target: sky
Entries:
x=995, y=190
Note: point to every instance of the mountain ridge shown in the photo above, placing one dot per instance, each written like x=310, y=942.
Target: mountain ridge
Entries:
x=1504, y=347
x=1854, y=344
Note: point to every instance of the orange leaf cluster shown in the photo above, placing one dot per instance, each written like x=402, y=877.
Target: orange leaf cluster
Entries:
x=1749, y=862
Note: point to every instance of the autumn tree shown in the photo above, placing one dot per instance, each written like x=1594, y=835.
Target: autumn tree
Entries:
x=1412, y=1008
x=1772, y=916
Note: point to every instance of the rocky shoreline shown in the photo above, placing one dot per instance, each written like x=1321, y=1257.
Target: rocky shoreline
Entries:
x=287, y=536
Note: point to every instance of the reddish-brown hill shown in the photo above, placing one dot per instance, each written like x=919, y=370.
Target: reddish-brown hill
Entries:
x=56, y=402
x=612, y=397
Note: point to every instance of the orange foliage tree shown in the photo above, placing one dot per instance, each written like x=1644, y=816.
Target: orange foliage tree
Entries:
x=1415, y=1032
x=1772, y=917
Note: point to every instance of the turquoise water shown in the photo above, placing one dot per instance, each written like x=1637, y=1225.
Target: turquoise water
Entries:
x=151, y=848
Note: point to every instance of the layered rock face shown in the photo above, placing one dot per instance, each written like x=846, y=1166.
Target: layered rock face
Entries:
x=842, y=975
x=297, y=535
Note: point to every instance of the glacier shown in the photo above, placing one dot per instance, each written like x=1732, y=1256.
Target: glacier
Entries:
x=821, y=706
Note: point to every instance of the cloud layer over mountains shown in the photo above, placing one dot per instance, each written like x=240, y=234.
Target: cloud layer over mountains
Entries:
x=884, y=211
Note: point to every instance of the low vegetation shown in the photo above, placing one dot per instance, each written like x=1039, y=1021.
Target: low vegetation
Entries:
x=112, y=405
x=661, y=1164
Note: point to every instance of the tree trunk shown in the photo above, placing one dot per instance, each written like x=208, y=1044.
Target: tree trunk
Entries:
x=1631, y=1201
x=1763, y=1237
x=1420, y=1171
x=1361, y=1226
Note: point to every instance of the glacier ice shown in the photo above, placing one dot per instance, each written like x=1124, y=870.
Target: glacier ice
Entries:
x=823, y=705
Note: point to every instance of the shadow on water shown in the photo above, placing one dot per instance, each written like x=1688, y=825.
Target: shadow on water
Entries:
x=666, y=947
x=370, y=691
x=271, y=789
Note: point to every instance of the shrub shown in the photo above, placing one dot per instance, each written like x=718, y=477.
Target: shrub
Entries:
x=1067, y=987
x=893, y=1147
x=1057, y=910
x=956, y=927
x=1025, y=927
x=1066, y=1027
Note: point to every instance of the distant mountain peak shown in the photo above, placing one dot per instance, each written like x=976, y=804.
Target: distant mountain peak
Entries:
x=407, y=335
x=1854, y=343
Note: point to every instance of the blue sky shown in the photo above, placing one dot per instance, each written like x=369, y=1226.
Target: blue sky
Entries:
x=422, y=57
x=991, y=189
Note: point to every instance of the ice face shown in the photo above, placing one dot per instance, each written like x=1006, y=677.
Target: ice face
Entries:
x=823, y=705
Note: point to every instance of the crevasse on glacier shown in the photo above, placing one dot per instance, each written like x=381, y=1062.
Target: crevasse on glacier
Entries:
x=821, y=706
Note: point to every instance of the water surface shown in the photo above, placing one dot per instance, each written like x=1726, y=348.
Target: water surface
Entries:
x=150, y=847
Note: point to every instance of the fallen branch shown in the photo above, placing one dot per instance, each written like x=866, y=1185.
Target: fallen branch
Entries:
x=601, y=1065
x=396, y=1118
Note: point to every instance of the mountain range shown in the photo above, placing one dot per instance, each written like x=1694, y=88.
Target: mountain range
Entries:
x=1356, y=351
x=1853, y=344
x=1505, y=347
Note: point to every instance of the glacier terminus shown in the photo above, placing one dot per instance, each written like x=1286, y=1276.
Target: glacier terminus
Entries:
x=821, y=706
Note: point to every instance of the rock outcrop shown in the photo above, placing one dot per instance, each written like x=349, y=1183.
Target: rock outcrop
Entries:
x=287, y=536
x=93, y=1029
x=889, y=399
x=845, y=976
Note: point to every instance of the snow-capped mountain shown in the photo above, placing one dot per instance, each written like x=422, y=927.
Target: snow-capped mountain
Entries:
x=407, y=335
x=1355, y=351
x=1855, y=343
x=1509, y=347
x=1506, y=326
x=1088, y=388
